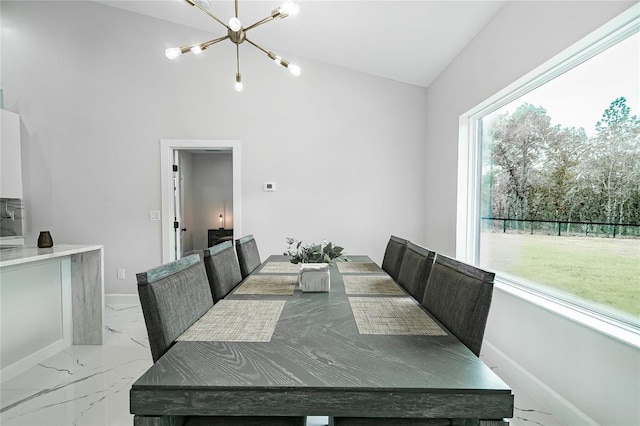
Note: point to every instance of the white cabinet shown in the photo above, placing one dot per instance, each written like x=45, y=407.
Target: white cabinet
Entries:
x=50, y=299
x=10, y=155
x=35, y=310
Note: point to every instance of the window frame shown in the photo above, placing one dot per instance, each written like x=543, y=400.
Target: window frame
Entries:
x=469, y=178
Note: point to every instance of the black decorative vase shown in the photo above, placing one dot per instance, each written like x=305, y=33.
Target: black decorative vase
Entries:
x=45, y=240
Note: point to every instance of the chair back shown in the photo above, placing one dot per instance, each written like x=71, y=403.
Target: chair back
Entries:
x=459, y=296
x=248, y=256
x=200, y=253
x=415, y=269
x=222, y=268
x=393, y=255
x=173, y=297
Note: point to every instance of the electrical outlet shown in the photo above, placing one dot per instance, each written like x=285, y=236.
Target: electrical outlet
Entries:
x=121, y=274
x=154, y=215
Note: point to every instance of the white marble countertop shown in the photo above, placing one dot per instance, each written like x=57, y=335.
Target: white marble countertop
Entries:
x=16, y=255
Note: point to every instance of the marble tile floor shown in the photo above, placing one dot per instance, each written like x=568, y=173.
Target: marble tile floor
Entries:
x=89, y=385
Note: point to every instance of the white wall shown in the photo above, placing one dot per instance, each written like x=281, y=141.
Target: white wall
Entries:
x=96, y=95
x=585, y=376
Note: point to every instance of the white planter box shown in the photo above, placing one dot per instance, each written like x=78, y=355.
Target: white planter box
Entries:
x=314, y=277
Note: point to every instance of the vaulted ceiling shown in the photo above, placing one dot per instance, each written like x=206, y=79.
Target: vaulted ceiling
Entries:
x=407, y=41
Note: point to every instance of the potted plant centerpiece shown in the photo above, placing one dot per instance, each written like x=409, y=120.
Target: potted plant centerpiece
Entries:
x=315, y=260
x=300, y=252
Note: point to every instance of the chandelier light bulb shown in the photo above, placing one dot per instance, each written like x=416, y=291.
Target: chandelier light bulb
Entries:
x=278, y=60
x=289, y=8
x=173, y=52
x=235, y=24
x=238, y=85
x=196, y=50
x=294, y=69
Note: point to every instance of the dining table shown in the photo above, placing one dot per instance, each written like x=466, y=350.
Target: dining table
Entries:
x=365, y=348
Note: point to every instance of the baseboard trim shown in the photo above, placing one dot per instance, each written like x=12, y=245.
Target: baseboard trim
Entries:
x=561, y=408
x=20, y=366
x=121, y=299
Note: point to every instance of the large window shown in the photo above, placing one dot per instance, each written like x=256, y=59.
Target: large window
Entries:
x=555, y=180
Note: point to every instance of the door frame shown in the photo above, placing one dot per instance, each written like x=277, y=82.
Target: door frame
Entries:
x=167, y=146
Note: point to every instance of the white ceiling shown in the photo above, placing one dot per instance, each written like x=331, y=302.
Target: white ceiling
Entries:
x=407, y=41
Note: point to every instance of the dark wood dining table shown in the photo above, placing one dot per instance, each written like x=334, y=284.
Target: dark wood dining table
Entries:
x=317, y=363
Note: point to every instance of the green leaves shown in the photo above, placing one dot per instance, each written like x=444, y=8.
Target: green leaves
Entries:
x=326, y=252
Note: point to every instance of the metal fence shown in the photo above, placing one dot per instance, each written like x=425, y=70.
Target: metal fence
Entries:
x=560, y=227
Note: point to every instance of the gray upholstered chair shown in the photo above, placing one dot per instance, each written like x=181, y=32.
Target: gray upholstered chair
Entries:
x=415, y=269
x=222, y=268
x=393, y=255
x=248, y=256
x=459, y=296
x=200, y=253
x=173, y=296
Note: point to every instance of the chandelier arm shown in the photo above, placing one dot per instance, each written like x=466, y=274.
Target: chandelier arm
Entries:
x=293, y=68
x=187, y=47
x=214, y=41
x=238, y=58
x=260, y=22
x=270, y=54
x=238, y=85
x=193, y=3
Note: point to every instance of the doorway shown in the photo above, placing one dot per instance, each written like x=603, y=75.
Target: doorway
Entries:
x=172, y=228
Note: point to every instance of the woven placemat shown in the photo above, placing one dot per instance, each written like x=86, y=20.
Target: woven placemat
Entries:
x=279, y=268
x=236, y=321
x=371, y=284
x=358, y=267
x=269, y=284
x=392, y=316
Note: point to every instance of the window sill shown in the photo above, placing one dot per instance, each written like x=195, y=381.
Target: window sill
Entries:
x=600, y=323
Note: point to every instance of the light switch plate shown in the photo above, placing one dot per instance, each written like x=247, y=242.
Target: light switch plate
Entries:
x=269, y=186
x=154, y=215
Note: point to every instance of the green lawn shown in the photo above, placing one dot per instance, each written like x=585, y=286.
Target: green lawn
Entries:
x=604, y=270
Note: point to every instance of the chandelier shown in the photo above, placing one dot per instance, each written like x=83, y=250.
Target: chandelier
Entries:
x=238, y=35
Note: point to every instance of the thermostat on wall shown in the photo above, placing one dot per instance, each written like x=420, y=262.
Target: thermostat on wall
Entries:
x=269, y=186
